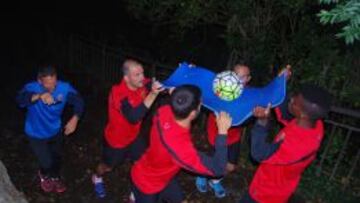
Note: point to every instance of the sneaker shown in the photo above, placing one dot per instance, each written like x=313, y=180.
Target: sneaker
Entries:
x=99, y=187
x=45, y=183
x=219, y=190
x=131, y=198
x=59, y=185
x=201, y=184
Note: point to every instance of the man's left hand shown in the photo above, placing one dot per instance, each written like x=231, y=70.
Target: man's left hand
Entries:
x=71, y=125
x=262, y=112
x=286, y=71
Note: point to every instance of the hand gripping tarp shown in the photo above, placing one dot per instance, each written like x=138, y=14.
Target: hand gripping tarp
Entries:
x=241, y=108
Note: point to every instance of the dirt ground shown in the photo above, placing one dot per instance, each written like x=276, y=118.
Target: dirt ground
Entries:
x=82, y=152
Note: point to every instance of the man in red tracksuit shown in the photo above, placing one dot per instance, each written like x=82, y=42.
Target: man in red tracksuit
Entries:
x=171, y=149
x=294, y=148
x=242, y=70
x=128, y=103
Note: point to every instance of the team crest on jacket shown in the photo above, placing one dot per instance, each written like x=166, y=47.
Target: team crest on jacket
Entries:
x=59, y=98
x=166, y=125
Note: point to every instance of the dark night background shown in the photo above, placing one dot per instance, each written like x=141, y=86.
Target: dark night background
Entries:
x=31, y=35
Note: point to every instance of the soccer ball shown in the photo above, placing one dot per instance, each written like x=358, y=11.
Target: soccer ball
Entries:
x=227, y=85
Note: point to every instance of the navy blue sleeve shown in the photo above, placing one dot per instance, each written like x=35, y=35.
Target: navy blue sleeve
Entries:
x=217, y=162
x=260, y=148
x=190, y=159
x=23, y=98
x=148, y=86
x=133, y=114
x=77, y=102
x=284, y=109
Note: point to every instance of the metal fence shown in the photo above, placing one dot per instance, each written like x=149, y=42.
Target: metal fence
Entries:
x=340, y=154
x=98, y=65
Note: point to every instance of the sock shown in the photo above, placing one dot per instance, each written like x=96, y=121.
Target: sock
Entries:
x=97, y=179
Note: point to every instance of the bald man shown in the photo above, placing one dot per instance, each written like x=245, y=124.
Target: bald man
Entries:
x=128, y=103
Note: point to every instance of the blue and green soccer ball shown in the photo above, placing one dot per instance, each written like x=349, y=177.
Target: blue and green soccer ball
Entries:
x=227, y=86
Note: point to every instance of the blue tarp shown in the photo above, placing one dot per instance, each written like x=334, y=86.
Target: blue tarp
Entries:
x=241, y=108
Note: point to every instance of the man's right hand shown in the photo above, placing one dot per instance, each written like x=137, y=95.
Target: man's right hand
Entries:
x=47, y=98
x=223, y=121
x=156, y=87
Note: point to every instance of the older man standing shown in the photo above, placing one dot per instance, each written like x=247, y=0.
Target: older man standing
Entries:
x=128, y=103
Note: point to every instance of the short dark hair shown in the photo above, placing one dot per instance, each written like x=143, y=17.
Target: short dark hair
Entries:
x=241, y=62
x=317, y=101
x=48, y=70
x=185, y=99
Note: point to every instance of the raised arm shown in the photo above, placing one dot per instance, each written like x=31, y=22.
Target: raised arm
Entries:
x=190, y=159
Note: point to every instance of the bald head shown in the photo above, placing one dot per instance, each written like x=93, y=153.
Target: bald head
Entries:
x=130, y=64
x=133, y=74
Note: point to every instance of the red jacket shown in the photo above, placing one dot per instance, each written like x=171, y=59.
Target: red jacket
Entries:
x=278, y=176
x=234, y=133
x=119, y=132
x=167, y=154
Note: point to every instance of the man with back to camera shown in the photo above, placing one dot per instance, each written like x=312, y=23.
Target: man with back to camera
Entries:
x=171, y=149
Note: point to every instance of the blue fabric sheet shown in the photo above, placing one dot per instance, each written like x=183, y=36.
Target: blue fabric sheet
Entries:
x=241, y=108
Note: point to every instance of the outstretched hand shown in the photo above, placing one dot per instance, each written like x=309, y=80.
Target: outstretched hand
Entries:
x=223, y=121
x=262, y=112
x=287, y=71
x=171, y=90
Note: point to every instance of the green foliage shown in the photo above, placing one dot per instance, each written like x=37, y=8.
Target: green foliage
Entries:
x=328, y=1
x=270, y=33
x=347, y=13
x=184, y=14
x=319, y=189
